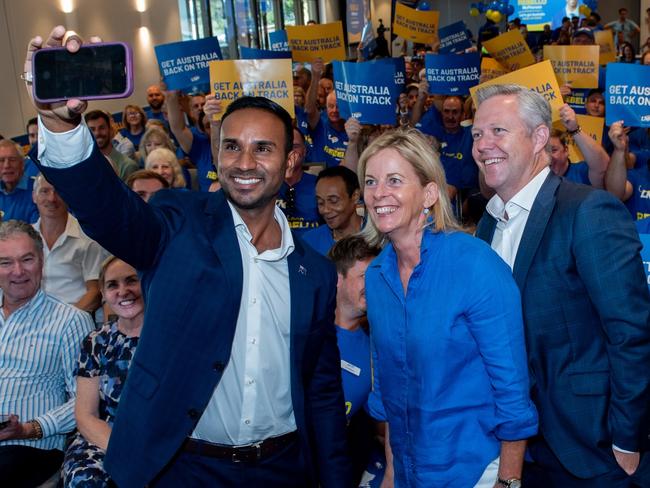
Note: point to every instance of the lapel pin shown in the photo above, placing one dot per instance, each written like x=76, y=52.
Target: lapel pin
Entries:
x=302, y=270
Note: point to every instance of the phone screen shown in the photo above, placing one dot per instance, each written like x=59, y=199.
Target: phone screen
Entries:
x=93, y=71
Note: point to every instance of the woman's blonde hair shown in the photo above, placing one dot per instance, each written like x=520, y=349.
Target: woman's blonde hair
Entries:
x=169, y=157
x=151, y=133
x=414, y=148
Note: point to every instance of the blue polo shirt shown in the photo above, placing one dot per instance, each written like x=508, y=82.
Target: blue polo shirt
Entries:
x=302, y=213
x=354, y=347
x=329, y=144
x=320, y=239
x=639, y=202
x=18, y=204
x=578, y=173
x=455, y=150
x=201, y=155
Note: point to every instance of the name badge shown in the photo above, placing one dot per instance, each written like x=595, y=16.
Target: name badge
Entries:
x=350, y=368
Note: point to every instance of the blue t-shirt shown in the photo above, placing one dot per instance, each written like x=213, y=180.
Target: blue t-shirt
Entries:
x=134, y=138
x=329, y=144
x=639, y=140
x=151, y=115
x=302, y=212
x=455, y=150
x=201, y=155
x=354, y=347
x=302, y=124
x=578, y=173
x=320, y=239
x=18, y=204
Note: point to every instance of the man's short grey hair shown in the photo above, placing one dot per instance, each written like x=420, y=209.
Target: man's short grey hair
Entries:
x=534, y=110
x=38, y=181
x=15, y=145
x=10, y=228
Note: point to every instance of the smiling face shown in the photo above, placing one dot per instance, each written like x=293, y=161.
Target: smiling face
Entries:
x=394, y=196
x=121, y=290
x=332, y=108
x=506, y=152
x=21, y=270
x=154, y=142
x=334, y=204
x=49, y=203
x=252, y=158
x=155, y=97
x=163, y=168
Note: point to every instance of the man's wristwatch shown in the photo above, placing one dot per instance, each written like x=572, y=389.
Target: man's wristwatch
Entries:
x=511, y=483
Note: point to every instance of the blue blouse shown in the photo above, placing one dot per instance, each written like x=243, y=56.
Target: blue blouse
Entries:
x=449, y=360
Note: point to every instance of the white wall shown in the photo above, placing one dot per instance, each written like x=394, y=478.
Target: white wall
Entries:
x=114, y=20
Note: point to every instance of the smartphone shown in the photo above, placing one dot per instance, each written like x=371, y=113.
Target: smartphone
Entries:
x=96, y=71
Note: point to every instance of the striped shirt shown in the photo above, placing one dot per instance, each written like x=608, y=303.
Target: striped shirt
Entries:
x=39, y=347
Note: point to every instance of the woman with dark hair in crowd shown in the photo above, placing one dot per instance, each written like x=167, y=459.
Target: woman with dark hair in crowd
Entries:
x=449, y=360
x=134, y=120
x=103, y=364
x=628, y=54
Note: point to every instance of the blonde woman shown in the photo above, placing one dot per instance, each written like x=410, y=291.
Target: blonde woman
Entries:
x=449, y=360
x=163, y=161
x=134, y=120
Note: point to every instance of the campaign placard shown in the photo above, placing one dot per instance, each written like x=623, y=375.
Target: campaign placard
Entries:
x=366, y=93
x=605, y=40
x=253, y=53
x=452, y=74
x=491, y=68
x=536, y=13
x=453, y=38
x=415, y=25
x=510, y=49
x=278, y=40
x=308, y=42
x=627, y=96
x=184, y=65
x=400, y=69
x=574, y=65
x=270, y=78
x=591, y=126
x=645, y=255
x=538, y=77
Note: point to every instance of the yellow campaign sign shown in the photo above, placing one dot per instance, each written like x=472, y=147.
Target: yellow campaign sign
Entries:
x=574, y=65
x=308, y=42
x=269, y=78
x=491, y=68
x=605, y=39
x=415, y=25
x=591, y=126
x=538, y=77
x=511, y=50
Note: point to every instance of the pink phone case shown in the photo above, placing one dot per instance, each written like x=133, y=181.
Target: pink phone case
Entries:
x=129, y=74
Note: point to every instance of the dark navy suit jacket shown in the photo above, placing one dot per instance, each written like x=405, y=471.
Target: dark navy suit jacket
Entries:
x=186, y=248
x=587, y=320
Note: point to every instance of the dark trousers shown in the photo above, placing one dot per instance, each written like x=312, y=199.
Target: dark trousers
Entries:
x=284, y=469
x=27, y=467
x=548, y=472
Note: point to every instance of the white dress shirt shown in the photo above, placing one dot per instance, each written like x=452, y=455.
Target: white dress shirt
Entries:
x=512, y=216
x=253, y=399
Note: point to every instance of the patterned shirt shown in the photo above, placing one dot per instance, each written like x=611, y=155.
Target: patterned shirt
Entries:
x=39, y=347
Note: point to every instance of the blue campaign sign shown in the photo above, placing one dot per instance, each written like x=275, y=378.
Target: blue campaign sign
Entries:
x=454, y=38
x=645, y=255
x=278, y=40
x=452, y=74
x=627, y=94
x=400, y=69
x=184, y=65
x=365, y=92
x=252, y=53
x=536, y=14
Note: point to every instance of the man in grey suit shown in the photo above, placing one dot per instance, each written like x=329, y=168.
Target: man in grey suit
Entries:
x=575, y=256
